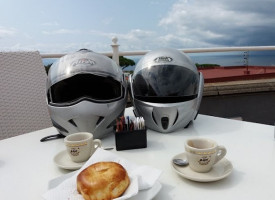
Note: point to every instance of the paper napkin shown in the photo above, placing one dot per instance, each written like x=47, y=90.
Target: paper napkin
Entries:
x=141, y=177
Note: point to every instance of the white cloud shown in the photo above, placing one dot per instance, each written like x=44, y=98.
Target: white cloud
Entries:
x=218, y=22
x=7, y=32
x=54, y=23
x=134, y=34
x=137, y=34
x=61, y=31
x=174, y=41
x=186, y=24
x=134, y=39
x=107, y=21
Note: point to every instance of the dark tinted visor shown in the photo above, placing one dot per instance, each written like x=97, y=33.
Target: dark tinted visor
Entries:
x=166, y=84
x=85, y=86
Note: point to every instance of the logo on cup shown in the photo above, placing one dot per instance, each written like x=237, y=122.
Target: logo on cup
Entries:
x=204, y=160
x=74, y=151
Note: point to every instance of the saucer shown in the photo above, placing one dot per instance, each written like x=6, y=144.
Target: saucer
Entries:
x=219, y=171
x=63, y=160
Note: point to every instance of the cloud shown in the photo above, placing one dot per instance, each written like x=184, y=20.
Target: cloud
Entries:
x=222, y=22
x=175, y=41
x=184, y=24
x=134, y=34
x=137, y=34
x=107, y=21
x=133, y=39
x=7, y=32
x=44, y=47
x=137, y=39
x=54, y=23
x=61, y=31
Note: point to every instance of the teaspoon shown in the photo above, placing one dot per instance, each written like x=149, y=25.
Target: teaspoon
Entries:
x=180, y=162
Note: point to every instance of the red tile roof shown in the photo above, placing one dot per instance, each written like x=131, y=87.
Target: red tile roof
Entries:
x=234, y=73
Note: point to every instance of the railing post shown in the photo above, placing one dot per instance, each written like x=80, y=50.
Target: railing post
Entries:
x=115, y=46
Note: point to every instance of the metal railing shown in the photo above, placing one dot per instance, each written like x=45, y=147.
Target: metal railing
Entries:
x=116, y=53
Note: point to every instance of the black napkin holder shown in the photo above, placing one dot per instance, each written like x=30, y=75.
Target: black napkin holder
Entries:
x=134, y=139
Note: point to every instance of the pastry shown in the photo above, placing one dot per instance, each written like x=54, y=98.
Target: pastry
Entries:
x=102, y=181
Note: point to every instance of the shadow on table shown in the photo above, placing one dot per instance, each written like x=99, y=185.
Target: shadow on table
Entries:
x=2, y=163
x=229, y=182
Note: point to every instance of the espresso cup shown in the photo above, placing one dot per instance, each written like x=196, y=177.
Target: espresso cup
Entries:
x=80, y=146
x=203, y=153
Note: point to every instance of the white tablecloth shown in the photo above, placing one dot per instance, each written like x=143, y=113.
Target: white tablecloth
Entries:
x=26, y=164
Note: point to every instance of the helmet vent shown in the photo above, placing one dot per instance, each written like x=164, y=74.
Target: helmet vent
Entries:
x=60, y=128
x=112, y=124
x=72, y=122
x=176, y=118
x=99, y=120
x=164, y=122
x=153, y=117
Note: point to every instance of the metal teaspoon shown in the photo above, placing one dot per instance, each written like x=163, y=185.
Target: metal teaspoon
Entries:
x=180, y=162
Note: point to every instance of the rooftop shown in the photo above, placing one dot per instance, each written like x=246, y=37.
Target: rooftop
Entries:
x=241, y=86
x=235, y=73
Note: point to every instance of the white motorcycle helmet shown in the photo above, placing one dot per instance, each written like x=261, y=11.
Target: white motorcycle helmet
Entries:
x=86, y=91
x=166, y=89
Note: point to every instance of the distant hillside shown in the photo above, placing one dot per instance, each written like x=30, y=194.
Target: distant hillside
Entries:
x=206, y=65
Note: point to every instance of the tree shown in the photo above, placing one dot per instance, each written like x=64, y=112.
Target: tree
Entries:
x=201, y=66
x=47, y=67
x=125, y=62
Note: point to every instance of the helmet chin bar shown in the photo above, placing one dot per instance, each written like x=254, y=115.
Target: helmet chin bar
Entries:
x=87, y=116
x=165, y=117
x=179, y=114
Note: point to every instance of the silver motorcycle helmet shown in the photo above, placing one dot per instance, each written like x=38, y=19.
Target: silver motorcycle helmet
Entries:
x=86, y=91
x=166, y=89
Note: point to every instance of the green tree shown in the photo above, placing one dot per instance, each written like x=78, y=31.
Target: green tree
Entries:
x=206, y=65
x=125, y=62
x=47, y=67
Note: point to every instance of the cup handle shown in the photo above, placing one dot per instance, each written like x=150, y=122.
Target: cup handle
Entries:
x=97, y=143
x=221, y=153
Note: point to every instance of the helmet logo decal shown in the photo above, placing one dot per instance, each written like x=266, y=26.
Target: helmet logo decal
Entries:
x=163, y=59
x=83, y=61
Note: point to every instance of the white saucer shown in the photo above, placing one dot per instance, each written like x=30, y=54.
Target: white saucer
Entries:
x=63, y=160
x=219, y=171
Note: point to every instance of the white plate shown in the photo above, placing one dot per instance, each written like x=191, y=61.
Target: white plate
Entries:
x=219, y=171
x=63, y=160
x=143, y=194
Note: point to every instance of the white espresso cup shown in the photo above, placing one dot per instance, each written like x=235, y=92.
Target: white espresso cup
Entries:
x=80, y=146
x=203, y=153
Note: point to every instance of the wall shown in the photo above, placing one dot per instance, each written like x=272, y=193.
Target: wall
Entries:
x=255, y=103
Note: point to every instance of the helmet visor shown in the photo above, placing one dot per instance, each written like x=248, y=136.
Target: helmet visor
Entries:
x=165, y=84
x=85, y=87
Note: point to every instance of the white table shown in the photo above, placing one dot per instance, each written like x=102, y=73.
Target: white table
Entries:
x=26, y=164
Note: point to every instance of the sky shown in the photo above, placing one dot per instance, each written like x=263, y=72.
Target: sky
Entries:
x=63, y=26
